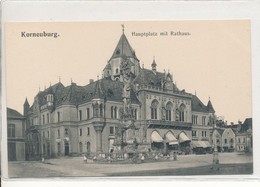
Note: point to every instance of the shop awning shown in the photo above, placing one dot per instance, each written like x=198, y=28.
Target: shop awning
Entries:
x=170, y=138
x=203, y=144
x=207, y=144
x=183, y=138
x=196, y=144
x=155, y=137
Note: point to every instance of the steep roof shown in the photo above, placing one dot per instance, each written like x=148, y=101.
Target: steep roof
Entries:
x=74, y=94
x=123, y=48
x=148, y=77
x=197, y=105
x=246, y=125
x=220, y=131
x=210, y=107
x=11, y=113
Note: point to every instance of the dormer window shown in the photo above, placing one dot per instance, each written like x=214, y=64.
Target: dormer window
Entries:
x=118, y=51
x=49, y=98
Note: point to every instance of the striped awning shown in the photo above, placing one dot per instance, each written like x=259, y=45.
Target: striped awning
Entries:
x=207, y=144
x=203, y=144
x=196, y=144
x=155, y=137
x=170, y=138
x=183, y=138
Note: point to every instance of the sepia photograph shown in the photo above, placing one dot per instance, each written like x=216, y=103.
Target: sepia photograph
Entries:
x=129, y=98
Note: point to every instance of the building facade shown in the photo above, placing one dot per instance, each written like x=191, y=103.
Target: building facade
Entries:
x=74, y=120
x=16, y=135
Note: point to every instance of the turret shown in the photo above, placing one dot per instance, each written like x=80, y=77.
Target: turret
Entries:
x=26, y=107
x=210, y=107
x=154, y=66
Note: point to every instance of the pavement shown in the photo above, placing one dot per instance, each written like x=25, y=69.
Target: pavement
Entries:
x=75, y=166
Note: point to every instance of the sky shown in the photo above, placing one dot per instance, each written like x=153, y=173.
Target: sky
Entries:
x=214, y=60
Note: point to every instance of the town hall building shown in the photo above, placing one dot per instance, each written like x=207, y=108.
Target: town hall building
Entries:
x=74, y=120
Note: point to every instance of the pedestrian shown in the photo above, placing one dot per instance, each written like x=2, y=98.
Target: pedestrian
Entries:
x=85, y=159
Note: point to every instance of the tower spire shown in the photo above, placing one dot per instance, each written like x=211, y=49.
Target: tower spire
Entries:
x=123, y=28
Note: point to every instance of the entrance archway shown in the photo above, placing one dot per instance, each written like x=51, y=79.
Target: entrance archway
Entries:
x=67, y=150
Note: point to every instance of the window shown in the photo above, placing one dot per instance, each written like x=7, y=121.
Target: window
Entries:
x=48, y=118
x=238, y=140
x=43, y=119
x=202, y=133
x=203, y=120
x=88, y=147
x=181, y=113
x=80, y=147
x=87, y=113
x=244, y=140
x=66, y=131
x=217, y=140
x=205, y=133
x=96, y=110
x=88, y=131
x=80, y=115
x=112, y=111
x=58, y=132
x=231, y=140
x=194, y=133
x=58, y=113
x=111, y=130
x=59, y=148
x=11, y=130
x=80, y=132
x=48, y=134
x=154, y=106
x=116, y=70
x=101, y=110
x=194, y=119
x=225, y=141
x=168, y=111
x=43, y=134
x=115, y=112
x=135, y=113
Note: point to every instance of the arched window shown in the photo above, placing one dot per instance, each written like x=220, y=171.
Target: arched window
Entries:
x=168, y=111
x=154, y=106
x=112, y=111
x=80, y=147
x=101, y=110
x=96, y=109
x=115, y=112
x=181, y=112
x=80, y=132
x=88, y=147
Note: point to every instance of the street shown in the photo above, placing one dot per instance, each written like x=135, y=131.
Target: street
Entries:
x=230, y=163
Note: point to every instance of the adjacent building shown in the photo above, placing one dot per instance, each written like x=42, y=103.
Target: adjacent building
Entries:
x=16, y=135
x=74, y=119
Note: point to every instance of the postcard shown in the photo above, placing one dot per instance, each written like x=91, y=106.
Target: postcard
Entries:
x=129, y=98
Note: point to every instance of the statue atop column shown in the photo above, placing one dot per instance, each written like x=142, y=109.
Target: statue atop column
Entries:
x=126, y=71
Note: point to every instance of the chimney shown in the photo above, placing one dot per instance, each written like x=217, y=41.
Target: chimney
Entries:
x=91, y=81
